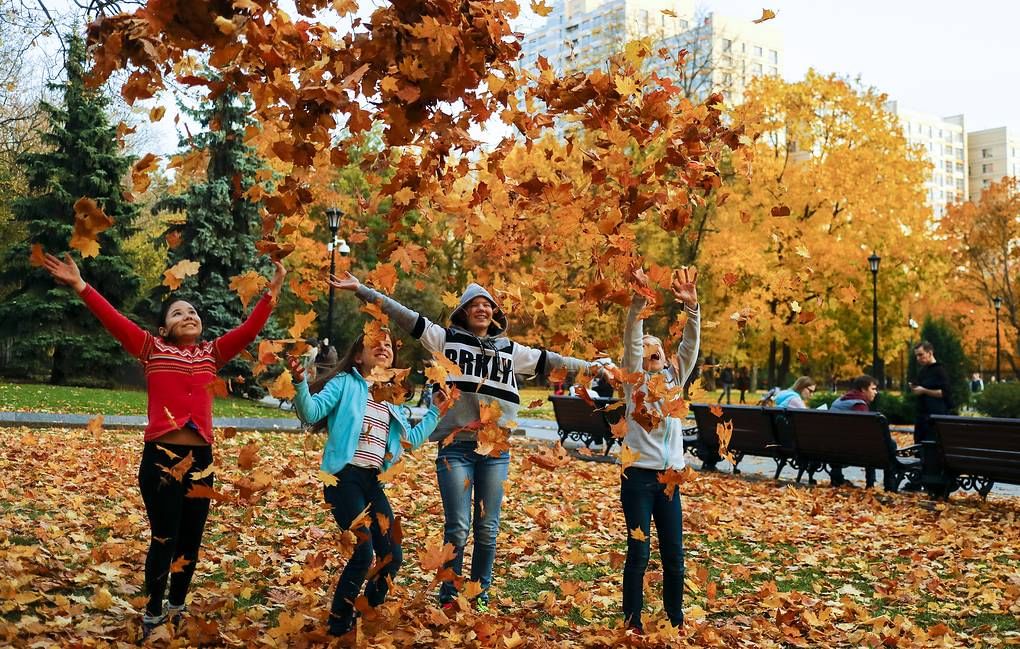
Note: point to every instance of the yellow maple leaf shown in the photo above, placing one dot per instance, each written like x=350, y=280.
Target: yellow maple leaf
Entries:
x=450, y=300
x=628, y=456
x=404, y=196
x=389, y=474
x=327, y=479
x=102, y=599
x=638, y=535
x=540, y=8
x=625, y=86
x=301, y=322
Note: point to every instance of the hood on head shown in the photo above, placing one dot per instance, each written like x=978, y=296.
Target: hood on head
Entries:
x=499, y=321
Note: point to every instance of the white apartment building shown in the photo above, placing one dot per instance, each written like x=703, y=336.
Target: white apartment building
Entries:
x=994, y=153
x=724, y=53
x=944, y=142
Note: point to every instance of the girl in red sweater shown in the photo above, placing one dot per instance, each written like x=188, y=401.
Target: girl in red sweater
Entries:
x=179, y=372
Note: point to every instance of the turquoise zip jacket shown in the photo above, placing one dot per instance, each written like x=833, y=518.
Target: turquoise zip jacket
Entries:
x=343, y=401
x=663, y=447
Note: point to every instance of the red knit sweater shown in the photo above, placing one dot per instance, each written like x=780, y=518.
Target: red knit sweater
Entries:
x=179, y=378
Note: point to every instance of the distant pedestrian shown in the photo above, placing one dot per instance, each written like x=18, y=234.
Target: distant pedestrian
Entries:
x=932, y=389
x=743, y=383
x=976, y=384
x=726, y=379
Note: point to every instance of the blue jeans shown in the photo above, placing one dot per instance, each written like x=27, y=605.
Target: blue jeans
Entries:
x=356, y=489
x=463, y=473
x=643, y=498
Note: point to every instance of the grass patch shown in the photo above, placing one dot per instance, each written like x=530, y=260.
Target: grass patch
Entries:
x=25, y=397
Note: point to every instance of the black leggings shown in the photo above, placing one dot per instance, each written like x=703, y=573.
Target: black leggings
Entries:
x=176, y=522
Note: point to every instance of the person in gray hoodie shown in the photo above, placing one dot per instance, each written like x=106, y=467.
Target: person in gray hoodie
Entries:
x=489, y=363
x=659, y=447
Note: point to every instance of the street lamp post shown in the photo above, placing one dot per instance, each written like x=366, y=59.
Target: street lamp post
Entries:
x=997, y=301
x=333, y=220
x=873, y=261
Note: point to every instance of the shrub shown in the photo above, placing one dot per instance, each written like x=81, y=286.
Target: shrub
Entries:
x=999, y=400
x=897, y=408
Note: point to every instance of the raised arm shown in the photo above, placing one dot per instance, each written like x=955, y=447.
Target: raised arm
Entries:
x=685, y=290
x=132, y=337
x=532, y=361
x=633, y=331
x=313, y=407
x=231, y=343
x=431, y=335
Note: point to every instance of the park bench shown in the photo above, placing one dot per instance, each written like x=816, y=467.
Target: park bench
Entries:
x=577, y=420
x=860, y=439
x=974, y=453
x=757, y=431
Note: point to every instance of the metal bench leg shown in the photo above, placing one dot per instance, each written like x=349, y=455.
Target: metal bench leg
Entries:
x=780, y=464
x=985, y=488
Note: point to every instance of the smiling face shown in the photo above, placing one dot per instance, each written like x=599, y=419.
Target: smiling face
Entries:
x=478, y=314
x=654, y=357
x=379, y=356
x=181, y=324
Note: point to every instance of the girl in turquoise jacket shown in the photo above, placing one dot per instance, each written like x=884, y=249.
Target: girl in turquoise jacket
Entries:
x=365, y=438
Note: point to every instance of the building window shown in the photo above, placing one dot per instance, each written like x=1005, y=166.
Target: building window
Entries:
x=773, y=70
x=947, y=150
x=984, y=183
x=727, y=78
x=959, y=153
x=727, y=45
x=959, y=184
x=949, y=166
x=930, y=131
x=987, y=168
x=773, y=57
x=959, y=167
x=757, y=50
x=986, y=153
x=756, y=69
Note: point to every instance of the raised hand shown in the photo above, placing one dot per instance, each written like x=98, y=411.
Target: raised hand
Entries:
x=297, y=369
x=442, y=401
x=277, y=282
x=684, y=288
x=347, y=283
x=65, y=272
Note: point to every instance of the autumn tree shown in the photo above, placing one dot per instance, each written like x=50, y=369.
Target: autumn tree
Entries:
x=982, y=237
x=50, y=330
x=219, y=227
x=832, y=179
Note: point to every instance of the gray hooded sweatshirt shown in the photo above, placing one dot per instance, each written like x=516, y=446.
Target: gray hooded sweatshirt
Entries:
x=489, y=365
x=663, y=447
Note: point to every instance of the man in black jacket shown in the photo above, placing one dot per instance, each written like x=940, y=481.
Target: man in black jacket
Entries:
x=932, y=392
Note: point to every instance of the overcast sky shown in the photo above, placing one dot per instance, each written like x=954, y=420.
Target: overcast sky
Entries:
x=936, y=56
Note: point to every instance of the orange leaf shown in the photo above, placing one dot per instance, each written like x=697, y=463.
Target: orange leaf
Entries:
x=301, y=322
x=638, y=535
x=389, y=474
x=199, y=490
x=716, y=410
x=95, y=425
x=436, y=555
x=89, y=222
x=179, y=564
x=247, y=456
x=247, y=286
x=766, y=14
x=174, y=275
x=628, y=457
x=36, y=259
x=282, y=387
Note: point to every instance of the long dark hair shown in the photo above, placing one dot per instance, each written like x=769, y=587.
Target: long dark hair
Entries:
x=346, y=364
x=164, y=310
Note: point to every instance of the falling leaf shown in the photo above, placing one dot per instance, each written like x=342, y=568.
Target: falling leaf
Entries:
x=247, y=286
x=805, y=317
x=540, y=8
x=628, y=457
x=95, y=425
x=89, y=222
x=156, y=113
x=766, y=14
x=327, y=479
x=716, y=410
x=178, y=470
x=37, y=259
x=392, y=472
x=283, y=387
x=174, y=275
x=247, y=456
x=301, y=322
x=638, y=535
x=179, y=564
x=436, y=555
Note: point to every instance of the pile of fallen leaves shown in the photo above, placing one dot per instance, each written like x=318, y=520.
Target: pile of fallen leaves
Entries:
x=768, y=564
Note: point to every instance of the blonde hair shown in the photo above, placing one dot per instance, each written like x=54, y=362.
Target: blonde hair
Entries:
x=649, y=339
x=801, y=383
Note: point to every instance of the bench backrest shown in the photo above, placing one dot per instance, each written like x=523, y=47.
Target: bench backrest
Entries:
x=573, y=414
x=980, y=446
x=850, y=438
x=753, y=428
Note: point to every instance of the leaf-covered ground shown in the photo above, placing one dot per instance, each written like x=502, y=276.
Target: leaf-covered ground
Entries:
x=768, y=565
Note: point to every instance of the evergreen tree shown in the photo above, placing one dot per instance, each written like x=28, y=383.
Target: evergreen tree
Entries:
x=948, y=352
x=222, y=227
x=49, y=330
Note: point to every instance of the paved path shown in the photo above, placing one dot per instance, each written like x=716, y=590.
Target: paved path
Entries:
x=536, y=429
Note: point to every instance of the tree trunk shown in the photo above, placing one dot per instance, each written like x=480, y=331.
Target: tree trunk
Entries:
x=772, y=364
x=57, y=374
x=784, y=365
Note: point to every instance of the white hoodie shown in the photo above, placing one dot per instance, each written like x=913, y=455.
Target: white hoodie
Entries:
x=663, y=447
